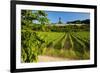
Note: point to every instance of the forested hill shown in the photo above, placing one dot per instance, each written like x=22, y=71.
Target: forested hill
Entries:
x=86, y=21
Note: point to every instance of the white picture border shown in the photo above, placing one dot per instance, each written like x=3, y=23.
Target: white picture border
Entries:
x=20, y=65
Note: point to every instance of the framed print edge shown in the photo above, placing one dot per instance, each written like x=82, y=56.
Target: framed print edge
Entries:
x=13, y=36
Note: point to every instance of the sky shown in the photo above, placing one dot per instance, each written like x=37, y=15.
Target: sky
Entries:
x=53, y=16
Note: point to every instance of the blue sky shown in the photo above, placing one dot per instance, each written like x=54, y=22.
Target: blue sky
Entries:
x=66, y=16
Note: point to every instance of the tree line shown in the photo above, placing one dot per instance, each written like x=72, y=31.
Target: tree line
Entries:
x=86, y=21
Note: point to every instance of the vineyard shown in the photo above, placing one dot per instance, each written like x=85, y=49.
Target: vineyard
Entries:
x=70, y=42
x=72, y=45
x=59, y=44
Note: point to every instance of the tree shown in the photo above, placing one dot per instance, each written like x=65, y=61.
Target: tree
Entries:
x=26, y=18
x=30, y=51
x=59, y=22
x=29, y=16
x=30, y=39
x=42, y=18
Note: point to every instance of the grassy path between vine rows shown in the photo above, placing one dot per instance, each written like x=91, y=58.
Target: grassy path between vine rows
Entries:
x=67, y=44
x=44, y=58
